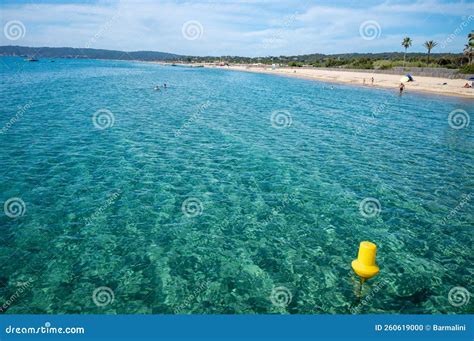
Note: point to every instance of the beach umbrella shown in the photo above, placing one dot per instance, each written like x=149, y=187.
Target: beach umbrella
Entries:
x=404, y=79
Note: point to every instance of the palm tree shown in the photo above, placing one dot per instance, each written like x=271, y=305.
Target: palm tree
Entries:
x=469, y=47
x=406, y=43
x=429, y=46
x=468, y=52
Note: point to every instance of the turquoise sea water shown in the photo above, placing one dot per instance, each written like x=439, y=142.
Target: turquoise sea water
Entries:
x=227, y=192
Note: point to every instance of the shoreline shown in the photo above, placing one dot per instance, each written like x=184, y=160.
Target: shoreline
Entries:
x=421, y=84
x=427, y=85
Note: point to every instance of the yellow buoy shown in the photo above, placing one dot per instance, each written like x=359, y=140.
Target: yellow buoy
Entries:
x=364, y=266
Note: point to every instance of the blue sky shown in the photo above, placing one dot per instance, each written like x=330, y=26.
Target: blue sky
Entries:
x=238, y=27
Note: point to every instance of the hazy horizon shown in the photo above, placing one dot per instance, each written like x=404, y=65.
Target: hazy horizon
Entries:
x=217, y=56
x=246, y=28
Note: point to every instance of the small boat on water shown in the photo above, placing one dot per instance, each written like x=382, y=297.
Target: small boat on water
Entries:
x=186, y=65
x=32, y=60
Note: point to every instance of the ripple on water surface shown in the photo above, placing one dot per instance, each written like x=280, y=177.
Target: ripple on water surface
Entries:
x=228, y=192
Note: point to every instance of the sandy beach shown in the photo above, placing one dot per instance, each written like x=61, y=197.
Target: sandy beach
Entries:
x=434, y=85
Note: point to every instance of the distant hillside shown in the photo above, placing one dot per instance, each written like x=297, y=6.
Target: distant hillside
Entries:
x=69, y=52
x=383, y=61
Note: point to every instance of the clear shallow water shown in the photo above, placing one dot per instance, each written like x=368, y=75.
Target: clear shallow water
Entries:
x=279, y=207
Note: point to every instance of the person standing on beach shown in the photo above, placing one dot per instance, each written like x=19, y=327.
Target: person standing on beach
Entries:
x=372, y=80
x=363, y=82
x=401, y=87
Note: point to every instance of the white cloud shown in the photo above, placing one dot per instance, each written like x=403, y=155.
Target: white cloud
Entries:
x=235, y=27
